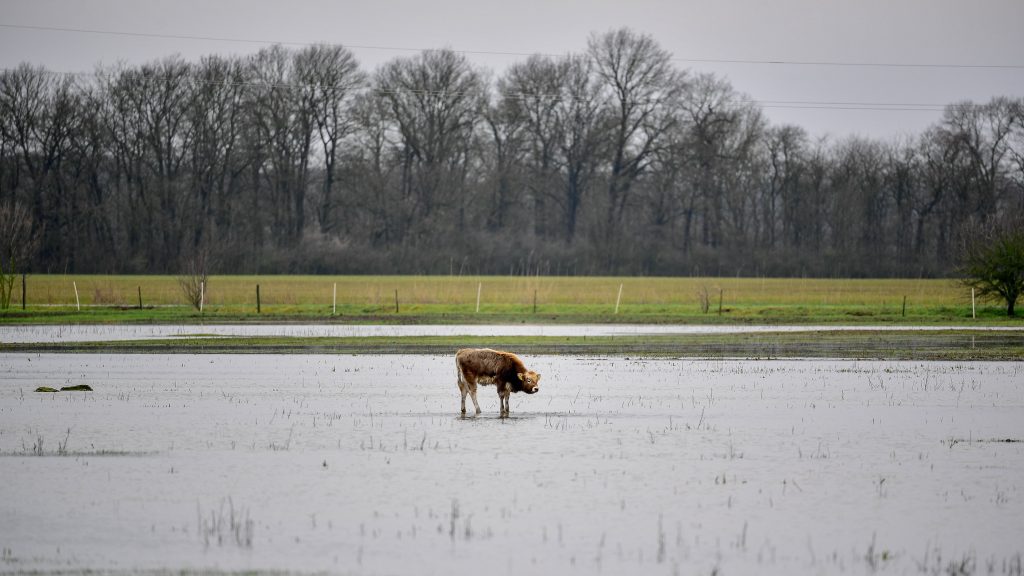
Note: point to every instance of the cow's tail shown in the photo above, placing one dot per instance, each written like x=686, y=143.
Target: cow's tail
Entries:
x=459, y=376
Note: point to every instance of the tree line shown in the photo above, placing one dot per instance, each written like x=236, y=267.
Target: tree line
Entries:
x=610, y=161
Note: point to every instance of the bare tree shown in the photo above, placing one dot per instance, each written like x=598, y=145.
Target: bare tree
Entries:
x=435, y=101
x=40, y=119
x=721, y=130
x=858, y=196
x=641, y=84
x=583, y=123
x=784, y=146
x=217, y=153
x=18, y=241
x=194, y=281
x=330, y=78
x=281, y=123
x=149, y=119
x=532, y=90
x=933, y=186
x=378, y=208
x=1016, y=145
x=506, y=122
x=901, y=181
x=982, y=135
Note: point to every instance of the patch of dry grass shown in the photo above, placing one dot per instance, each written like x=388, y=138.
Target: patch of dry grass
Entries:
x=379, y=291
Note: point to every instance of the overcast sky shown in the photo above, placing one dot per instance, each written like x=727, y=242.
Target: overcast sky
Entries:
x=974, y=48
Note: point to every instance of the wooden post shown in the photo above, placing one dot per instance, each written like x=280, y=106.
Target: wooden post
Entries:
x=78, y=303
x=904, y=313
x=479, y=288
x=22, y=290
x=257, y=298
x=202, y=295
x=140, y=297
x=618, y=299
x=335, y=305
x=974, y=312
x=534, y=300
x=720, y=301
x=396, y=300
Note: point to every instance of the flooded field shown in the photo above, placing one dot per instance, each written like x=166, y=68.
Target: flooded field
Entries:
x=360, y=464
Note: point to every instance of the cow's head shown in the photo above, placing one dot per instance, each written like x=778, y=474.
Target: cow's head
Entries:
x=531, y=381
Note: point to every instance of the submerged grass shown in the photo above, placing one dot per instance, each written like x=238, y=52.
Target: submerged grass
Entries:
x=895, y=345
x=503, y=299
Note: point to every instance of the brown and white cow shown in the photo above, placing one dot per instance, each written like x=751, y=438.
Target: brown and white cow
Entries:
x=503, y=369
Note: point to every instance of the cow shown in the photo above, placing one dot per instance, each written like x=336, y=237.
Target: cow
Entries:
x=503, y=369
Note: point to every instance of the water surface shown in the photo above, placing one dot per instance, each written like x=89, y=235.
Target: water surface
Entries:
x=361, y=464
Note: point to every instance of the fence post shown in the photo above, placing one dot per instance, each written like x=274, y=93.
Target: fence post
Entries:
x=904, y=313
x=618, y=299
x=534, y=300
x=974, y=313
x=396, y=300
x=720, y=291
x=335, y=301
x=22, y=290
x=202, y=295
x=140, y=297
x=479, y=287
x=257, y=298
x=78, y=303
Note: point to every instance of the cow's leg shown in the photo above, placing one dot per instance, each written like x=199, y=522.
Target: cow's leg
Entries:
x=503, y=394
x=472, y=394
x=462, y=389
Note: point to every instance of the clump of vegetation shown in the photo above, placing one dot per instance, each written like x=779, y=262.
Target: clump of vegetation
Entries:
x=77, y=388
x=46, y=389
x=195, y=281
x=37, y=445
x=992, y=260
x=226, y=526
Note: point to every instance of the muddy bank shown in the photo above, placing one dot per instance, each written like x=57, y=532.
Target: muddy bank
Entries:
x=954, y=344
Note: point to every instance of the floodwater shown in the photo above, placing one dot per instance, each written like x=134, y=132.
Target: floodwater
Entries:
x=94, y=333
x=360, y=464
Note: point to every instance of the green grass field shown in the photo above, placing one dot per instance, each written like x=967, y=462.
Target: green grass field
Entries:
x=503, y=299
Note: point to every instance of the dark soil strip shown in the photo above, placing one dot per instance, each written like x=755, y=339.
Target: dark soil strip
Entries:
x=897, y=345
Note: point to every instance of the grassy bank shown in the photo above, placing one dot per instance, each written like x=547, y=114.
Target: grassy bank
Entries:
x=502, y=299
x=902, y=345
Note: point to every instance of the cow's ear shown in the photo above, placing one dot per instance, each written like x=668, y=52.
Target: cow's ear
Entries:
x=536, y=377
x=520, y=375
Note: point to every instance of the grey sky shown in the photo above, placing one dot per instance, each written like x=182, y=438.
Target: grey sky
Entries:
x=944, y=32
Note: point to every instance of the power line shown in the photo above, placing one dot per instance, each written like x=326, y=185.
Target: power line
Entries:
x=841, y=105
x=500, y=53
x=856, y=64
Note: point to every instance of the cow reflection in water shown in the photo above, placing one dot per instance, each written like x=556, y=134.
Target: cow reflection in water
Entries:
x=486, y=367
